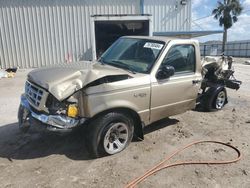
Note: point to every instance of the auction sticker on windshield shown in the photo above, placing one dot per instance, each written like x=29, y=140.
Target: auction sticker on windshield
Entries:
x=153, y=45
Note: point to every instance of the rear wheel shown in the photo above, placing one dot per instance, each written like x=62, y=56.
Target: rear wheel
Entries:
x=214, y=99
x=220, y=100
x=109, y=134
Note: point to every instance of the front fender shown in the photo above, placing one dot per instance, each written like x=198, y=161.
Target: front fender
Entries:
x=95, y=104
x=107, y=105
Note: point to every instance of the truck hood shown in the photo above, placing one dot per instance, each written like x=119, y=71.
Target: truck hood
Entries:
x=64, y=80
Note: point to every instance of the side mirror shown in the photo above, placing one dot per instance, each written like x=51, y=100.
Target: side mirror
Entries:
x=165, y=72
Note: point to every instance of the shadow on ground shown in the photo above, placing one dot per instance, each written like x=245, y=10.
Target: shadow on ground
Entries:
x=160, y=125
x=36, y=144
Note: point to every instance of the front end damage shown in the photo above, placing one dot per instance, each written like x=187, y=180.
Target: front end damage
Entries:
x=60, y=122
x=38, y=106
x=54, y=96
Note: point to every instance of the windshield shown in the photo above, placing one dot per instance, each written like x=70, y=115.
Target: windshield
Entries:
x=135, y=55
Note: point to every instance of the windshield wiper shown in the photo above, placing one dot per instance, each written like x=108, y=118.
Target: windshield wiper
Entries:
x=122, y=65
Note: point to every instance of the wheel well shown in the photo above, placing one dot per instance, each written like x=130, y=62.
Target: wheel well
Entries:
x=138, y=126
x=208, y=97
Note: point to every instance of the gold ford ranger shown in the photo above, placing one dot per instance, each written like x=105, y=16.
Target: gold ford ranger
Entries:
x=137, y=81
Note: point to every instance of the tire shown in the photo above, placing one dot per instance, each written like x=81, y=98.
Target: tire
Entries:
x=109, y=134
x=210, y=101
x=220, y=100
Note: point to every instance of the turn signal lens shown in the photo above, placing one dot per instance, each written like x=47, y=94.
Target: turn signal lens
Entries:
x=72, y=111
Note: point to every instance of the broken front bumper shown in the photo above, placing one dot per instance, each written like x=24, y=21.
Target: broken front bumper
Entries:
x=53, y=122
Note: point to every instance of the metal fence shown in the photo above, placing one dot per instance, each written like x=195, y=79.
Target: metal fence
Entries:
x=236, y=49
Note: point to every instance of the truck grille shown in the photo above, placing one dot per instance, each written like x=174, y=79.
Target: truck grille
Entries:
x=36, y=96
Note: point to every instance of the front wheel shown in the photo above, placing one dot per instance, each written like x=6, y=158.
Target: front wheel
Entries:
x=109, y=134
x=116, y=138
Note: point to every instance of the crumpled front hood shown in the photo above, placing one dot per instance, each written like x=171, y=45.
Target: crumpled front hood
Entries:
x=63, y=81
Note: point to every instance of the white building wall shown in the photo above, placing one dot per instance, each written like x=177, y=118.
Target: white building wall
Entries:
x=36, y=33
x=169, y=15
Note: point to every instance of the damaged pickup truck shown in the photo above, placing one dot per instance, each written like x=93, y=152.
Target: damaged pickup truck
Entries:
x=137, y=81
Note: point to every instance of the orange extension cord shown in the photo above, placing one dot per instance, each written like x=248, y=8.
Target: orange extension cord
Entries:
x=161, y=165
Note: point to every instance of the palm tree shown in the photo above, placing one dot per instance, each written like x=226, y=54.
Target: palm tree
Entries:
x=227, y=13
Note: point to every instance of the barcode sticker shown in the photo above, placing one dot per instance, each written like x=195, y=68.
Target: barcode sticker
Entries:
x=153, y=45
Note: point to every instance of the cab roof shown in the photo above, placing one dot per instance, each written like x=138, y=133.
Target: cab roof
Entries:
x=158, y=38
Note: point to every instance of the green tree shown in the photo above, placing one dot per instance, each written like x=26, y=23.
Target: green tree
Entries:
x=227, y=12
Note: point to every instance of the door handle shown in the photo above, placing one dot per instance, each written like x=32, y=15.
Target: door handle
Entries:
x=196, y=81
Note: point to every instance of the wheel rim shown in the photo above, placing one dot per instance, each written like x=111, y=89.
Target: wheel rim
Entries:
x=116, y=138
x=220, y=100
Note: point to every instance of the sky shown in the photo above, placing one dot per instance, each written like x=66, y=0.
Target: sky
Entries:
x=203, y=8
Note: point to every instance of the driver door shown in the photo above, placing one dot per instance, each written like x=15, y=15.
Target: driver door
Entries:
x=177, y=93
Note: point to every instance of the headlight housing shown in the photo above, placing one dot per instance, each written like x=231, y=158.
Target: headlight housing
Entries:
x=68, y=107
x=72, y=110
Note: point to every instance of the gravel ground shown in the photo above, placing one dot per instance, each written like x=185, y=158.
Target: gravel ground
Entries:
x=44, y=159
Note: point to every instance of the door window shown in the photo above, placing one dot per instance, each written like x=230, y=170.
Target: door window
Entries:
x=182, y=58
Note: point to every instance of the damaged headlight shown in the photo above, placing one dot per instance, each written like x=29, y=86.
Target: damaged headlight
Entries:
x=67, y=107
x=72, y=110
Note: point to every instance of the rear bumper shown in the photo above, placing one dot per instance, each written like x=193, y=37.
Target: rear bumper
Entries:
x=52, y=122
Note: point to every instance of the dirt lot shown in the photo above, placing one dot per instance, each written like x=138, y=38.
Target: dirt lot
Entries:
x=48, y=160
